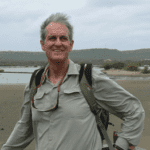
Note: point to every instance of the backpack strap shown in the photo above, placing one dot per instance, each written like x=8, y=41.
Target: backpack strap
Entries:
x=32, y=77
x=85, y=80
x=37, y=74
x=89, y=96
x=88, y=73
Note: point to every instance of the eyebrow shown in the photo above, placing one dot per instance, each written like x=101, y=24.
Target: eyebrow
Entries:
x=65, y=36
x=60, y=36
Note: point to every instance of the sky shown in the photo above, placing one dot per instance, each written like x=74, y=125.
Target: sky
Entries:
x=113, y=24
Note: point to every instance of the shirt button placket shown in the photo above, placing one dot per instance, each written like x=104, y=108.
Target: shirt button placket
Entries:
x=50, y=146
x=50, y=131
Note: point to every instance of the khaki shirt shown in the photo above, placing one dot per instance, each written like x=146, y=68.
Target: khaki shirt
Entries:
x=72, y=126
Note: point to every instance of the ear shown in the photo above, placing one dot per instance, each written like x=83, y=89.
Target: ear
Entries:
x=71, y=45
x=42, y=45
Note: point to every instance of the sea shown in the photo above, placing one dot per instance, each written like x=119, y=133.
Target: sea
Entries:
x=16, y=75
x=22, y=75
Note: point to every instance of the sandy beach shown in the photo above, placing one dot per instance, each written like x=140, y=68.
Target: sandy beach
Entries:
x=11, y=98
x=114, y=72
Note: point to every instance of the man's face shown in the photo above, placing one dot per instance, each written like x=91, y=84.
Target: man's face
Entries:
x=57, y=45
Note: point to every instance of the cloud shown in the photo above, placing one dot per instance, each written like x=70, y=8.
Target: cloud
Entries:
x=111, y=26
x=99, y=23
x=37, y=6
x=113, y=3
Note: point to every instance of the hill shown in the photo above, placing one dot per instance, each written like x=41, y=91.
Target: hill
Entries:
x=95, y=56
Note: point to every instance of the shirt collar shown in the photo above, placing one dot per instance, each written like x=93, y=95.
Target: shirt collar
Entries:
x=72, y=70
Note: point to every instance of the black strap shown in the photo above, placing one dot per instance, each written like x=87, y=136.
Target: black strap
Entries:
x=88, y=73
x=37, y=74
x=85, y=83
x=81, y=72
x=89, y=96
x=32, y=77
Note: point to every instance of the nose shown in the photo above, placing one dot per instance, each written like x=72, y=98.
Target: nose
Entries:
x=58, y=42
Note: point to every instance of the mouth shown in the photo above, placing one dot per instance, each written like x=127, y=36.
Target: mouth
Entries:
x=57, y=51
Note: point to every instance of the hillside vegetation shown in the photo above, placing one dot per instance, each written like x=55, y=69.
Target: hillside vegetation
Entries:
x=95, y=56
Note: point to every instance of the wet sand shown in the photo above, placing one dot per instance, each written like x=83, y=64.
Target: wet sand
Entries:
x=11, y=98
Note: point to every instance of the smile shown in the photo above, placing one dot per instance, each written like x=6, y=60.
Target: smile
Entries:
x=57, y=51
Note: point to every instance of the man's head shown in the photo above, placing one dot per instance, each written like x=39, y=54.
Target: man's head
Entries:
x=56, y=37
x=58, y=17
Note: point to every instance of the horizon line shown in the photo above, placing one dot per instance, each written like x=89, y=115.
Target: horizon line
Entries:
x=75, y=50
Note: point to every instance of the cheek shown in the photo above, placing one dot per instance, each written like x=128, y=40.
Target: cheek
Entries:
x=67, y=46
x=49, y=44
x=48, y=53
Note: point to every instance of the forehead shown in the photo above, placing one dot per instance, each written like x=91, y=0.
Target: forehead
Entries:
x=56, y=28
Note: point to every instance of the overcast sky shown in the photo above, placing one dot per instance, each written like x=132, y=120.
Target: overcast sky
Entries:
x=114, y=24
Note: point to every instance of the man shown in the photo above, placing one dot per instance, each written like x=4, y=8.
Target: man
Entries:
x=72, y=125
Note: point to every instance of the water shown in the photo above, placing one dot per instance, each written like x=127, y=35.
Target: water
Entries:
x=13, y=78
x=32, y=68
x=22, y=78
x=142, y=67
x=127, y=78
x=19, y=68
x=19, y=78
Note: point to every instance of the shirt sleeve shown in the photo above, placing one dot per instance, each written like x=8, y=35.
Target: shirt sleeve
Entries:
x=22, y=134
x=122, y=104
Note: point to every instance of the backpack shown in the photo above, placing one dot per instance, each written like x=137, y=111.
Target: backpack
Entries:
x=85, y=81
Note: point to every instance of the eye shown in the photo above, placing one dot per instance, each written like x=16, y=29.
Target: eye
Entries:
x=52, y=38
x=63, y=38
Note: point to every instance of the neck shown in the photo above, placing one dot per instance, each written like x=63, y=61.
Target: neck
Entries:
x=58, y=69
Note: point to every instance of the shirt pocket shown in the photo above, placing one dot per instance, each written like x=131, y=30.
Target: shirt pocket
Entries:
x=43, y=100
x=40, y=104
x=71, y=94
x=74, y=105
x=38, y=100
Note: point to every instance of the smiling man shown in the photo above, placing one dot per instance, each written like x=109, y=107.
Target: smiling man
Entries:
x=58, y=117
x=57, y=46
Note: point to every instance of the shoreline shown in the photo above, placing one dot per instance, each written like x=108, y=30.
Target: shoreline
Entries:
x=129, y=75
x=117, y=72
x=13, y=84
x=17, y=72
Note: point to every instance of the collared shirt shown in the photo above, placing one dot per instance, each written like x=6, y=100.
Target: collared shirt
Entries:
x=72, y=126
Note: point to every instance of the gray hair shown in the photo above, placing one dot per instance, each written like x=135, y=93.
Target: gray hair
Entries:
x=60, y=18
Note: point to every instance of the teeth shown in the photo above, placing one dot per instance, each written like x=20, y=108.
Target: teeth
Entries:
x=57, y=51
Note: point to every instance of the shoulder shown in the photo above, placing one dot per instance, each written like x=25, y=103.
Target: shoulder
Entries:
x=101, y=80
x=26, y=95
x=27, y=89
x=98, y=75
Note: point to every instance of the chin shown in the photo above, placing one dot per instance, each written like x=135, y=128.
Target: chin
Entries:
x=59, y=60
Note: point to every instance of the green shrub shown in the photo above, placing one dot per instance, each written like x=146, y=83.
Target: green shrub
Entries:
x=131, y=67
x=145, y=70
x=35, y=65
x=107, y=66
x=118, y=65
x=1, y=70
